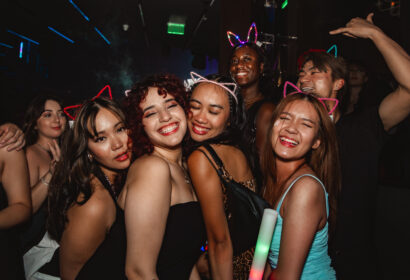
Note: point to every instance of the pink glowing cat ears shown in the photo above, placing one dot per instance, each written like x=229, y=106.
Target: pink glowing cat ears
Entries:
x=321, y=99
x=196, y=78
x=74, y=108
x=232, y=37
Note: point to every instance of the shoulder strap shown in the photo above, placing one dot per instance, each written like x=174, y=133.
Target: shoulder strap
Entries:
x=100, y=175
x=214, y=155
x=294, y=181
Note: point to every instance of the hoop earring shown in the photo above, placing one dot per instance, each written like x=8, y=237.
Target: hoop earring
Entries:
x=90, y=157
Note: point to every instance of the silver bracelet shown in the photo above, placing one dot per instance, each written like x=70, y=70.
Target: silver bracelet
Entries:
x=44, y=181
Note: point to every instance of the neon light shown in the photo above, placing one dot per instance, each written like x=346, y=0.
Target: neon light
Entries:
x=331, y=48
x=284, y=4
x=102, y=36
x=176, y=28
x=61, y=35
x=263, y=244
x=78, y=9
x=5, y=45
x=233, y=35
x=21, y=50
x=79, y=105
x=22, y=37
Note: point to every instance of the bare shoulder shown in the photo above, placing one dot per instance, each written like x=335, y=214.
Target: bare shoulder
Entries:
x=99, y=207
x=307, y=190
x=148, y=164
x=199, y=161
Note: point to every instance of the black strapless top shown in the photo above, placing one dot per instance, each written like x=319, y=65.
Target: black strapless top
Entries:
x=183, y=239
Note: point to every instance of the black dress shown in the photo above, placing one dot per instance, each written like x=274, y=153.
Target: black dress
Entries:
x=108, y=261
x=11, y=258
x=181, y=247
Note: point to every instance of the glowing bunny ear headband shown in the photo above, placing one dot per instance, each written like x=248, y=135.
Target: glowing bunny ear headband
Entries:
x=331, y=50
x=321, y=99
x=233, y=36
x=196, y=78
x=76, y=107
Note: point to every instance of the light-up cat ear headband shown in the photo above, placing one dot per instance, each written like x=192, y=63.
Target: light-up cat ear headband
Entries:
x=196, y=78
x=76, y=107
x=321, y=99
x=233, y=36
x=331, y=50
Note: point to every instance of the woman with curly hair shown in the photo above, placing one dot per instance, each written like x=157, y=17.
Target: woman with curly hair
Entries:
x=83, y=215
x=163, y=219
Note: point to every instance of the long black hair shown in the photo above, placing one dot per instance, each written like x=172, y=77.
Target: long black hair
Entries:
x=72, y=175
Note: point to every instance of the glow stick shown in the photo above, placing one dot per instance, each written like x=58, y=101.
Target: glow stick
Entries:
x=263, y=244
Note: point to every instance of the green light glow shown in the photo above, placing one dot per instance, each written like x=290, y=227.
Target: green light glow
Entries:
x=176, y=28
x=284, y=4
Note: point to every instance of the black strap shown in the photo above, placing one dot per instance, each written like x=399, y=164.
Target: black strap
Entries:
x=218, y=161
x=100, y=176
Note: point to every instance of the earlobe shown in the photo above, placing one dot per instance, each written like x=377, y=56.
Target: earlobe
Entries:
x=339, y=84
x=316, y=144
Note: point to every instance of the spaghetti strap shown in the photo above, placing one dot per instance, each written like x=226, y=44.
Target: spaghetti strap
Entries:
x=294, y=181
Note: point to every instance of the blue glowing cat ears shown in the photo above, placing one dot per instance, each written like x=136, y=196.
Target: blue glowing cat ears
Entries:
x=334, y=48
x=252, y=34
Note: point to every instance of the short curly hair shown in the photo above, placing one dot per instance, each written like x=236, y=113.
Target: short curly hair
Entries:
x=166, y=84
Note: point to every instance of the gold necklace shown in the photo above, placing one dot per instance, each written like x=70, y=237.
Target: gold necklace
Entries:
x=186, y=176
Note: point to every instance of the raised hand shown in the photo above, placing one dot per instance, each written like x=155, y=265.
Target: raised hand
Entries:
x=358, y=28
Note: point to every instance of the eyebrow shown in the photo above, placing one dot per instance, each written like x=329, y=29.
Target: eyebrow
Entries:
x=152, y=106
x=305, y=119
x=212, y=105
x=103, y=131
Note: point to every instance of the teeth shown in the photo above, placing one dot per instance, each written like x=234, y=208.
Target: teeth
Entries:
x=200, y=129
x=288, y=140
x=168, y=129
x=241, y=74
x=307, y=89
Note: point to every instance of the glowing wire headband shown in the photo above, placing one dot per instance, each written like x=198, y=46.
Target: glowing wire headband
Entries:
x=329, y=51
x=76, y=107
x=321, y=99
x=232, y=35
x=196, y=78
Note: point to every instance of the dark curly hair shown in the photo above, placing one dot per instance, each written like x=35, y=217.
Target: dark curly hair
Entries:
x=73, y=173
x=166, y=84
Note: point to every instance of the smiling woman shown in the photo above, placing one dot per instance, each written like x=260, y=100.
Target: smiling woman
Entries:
x=164, y=224
x=83, y=215
x=301, y=153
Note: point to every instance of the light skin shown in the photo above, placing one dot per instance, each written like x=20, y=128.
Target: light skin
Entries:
x=304, y=208
x=50, y=125
x=245, y=69
x=154, y=183
x=89, y=223
x=12, y=137
x=210, y=110
x=15, y=181
x=395, y=107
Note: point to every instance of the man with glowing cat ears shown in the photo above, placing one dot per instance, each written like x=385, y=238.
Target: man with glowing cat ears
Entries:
x=361, y=136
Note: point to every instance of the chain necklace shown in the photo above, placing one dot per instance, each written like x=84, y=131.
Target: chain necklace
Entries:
x=112, y=187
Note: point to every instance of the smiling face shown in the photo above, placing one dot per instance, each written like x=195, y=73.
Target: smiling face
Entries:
x=163, y=119
x=245, y=66
x=110, y=146
x=321, y=83
x=209, y=112
x=52, y=121
x=295, y=131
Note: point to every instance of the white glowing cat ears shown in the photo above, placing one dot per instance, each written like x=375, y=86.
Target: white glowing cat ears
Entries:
x=196, y=78
x=252, y=34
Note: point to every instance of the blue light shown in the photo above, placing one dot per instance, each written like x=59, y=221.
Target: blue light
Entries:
x=5, y=45
x=61, y=35
x=23, y=37
x=21, y=50
x=78, y=9
x=102, y=36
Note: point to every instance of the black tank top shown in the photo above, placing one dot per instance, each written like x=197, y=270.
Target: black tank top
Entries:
x=108, y=261
x=183, y=239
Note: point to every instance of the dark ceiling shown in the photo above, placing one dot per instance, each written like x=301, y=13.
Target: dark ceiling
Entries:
x=78, y=70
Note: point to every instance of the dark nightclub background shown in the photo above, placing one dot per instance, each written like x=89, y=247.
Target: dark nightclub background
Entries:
x=118, y=42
